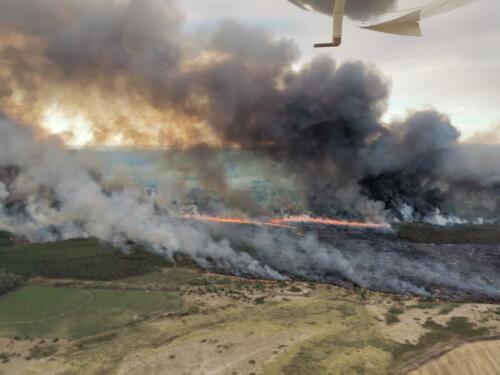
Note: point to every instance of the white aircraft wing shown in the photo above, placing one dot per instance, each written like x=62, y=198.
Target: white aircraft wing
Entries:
x=407, y=22
x=400, y=17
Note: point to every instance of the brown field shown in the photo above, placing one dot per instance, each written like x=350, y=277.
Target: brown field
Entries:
x=480, y=358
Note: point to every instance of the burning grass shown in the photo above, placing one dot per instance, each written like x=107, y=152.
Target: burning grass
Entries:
x=290, y=222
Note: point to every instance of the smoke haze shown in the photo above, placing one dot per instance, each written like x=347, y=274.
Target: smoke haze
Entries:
x=141, y=79
x=48, y=193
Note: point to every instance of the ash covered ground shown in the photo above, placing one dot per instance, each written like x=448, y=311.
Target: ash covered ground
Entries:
x=447, y=269
x=450, y=271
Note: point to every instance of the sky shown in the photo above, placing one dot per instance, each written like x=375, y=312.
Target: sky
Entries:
x=454, y=67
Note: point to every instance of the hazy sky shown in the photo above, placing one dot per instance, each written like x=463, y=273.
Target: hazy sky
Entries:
x=455, y=67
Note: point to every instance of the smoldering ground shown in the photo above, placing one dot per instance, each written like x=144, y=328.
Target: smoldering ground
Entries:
x=140, y=78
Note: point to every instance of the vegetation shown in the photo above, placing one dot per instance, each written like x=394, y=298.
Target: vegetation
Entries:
x=457, y=327
x=424, y=305
x=453, y=234
x=4, y=358
x=356, y=355
x=5, y=239
x=448, y=308
x=391, y=317
x=43, y=351
x=85, y=259
x=8, y=282
x=74, y=313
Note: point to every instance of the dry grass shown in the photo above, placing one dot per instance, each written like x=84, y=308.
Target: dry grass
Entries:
x=480, y=358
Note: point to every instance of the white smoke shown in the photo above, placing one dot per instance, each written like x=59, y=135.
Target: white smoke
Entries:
x=437, y=218
x=53, y=194
x=49, y=193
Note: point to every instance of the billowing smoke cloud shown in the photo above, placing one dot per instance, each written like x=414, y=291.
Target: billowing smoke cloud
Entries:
x=130, y=68
x=49, y=193
x=355, y=9
x=490, y=135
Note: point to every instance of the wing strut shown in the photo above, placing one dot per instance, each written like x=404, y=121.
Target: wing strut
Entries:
x=338, y=18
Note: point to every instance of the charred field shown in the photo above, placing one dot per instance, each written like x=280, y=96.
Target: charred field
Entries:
x=456, y=263
x=468, y=250
x=453, y=263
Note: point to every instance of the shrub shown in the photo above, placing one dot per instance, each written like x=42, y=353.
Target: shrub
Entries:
x=9, y=282
x=391, y=318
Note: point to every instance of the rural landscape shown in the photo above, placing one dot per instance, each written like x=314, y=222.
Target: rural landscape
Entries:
x=265, y=187
x=84, y=307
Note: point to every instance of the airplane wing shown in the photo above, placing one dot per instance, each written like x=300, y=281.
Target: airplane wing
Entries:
x=401, y=17
x=409, y=22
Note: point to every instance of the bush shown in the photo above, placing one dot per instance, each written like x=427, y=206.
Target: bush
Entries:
x=395, y=310
x=391, y=318
x=39, y=352
x=448, y=308
x=259, y=301
x=8, y=282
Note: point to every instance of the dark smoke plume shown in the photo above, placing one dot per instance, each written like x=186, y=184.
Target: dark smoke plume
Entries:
x=132, y=70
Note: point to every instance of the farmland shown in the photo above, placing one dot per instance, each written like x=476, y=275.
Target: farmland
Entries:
x=74, y=313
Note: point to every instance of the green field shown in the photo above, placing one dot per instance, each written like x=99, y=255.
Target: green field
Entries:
x=85, y=259
x=75, y=313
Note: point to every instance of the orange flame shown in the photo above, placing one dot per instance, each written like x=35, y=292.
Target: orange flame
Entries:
x=233, y=220
x=325, y=221
x=286, y=222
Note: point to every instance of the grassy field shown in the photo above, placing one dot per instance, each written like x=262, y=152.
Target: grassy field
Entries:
x=453, y=234
x=74, y=313
x=86, y=259
x=226, y=325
